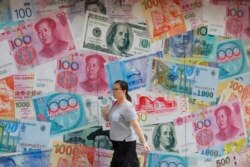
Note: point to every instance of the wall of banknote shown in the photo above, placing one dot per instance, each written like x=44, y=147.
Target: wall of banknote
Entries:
x=186, y=63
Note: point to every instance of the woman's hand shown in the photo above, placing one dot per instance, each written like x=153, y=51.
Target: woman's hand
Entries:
x=146, y=146
x=104, y=110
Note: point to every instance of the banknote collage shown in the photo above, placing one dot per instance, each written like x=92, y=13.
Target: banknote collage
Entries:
x=186, y=62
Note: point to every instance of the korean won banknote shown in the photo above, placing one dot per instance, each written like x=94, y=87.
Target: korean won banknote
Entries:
x=132, y=70
x=100, y=35
x=37, y=42
x=65, y=111
x=199, y=82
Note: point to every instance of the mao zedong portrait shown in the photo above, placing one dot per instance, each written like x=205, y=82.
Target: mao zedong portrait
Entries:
x=164, y=138
x=227, y=130
x=94, y=82
x=48, y=35
x=119, y=39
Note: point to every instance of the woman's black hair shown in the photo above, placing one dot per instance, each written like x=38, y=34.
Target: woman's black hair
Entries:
x=124, y=86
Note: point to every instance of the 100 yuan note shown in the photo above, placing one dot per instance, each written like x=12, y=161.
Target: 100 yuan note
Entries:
x=75, y=74
x=235, y=21
x=99, y=35
x=65, y=111
x=219, y=124
x=31, y=45
x=199, y=82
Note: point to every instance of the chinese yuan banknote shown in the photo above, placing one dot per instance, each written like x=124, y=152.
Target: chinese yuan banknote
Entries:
x=34, y=158
x=163, y=18
x=231, y=58
x=218, y=125
x=100, y=35
x=199, y=82
x=15, y=135
x=192, y=45
x=40, y=41
x=132, y=70
x=7, y=103
x=21, y=10
x=83, y=73
x=65, y=111
x=240, y=159
x=71, y=155
x=153, y=109
x=236, y=21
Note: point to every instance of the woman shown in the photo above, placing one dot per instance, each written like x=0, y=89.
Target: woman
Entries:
x=123, y=126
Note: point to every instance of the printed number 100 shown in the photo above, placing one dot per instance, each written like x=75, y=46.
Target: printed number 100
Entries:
x=150, y=3
x=22, y=13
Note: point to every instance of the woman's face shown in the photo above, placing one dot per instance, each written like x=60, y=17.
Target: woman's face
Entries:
x=117, y=91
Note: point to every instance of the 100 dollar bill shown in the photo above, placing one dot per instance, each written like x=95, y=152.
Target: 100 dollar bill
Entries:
x=102, y=35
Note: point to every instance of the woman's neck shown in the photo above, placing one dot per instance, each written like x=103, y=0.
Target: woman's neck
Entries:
x=121, y=101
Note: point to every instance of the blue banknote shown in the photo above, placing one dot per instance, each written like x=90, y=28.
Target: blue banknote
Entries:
x=199, y=82
x=163, y=159
x=15, y=135
x=10, y=135
x=65, y=111
x=5, y=15
x=231, y=58
x=28, y=159
x=132, y=70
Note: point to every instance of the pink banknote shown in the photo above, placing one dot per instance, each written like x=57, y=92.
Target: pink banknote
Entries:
x=83, y=72
x=219, y=125
x=37, y=42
